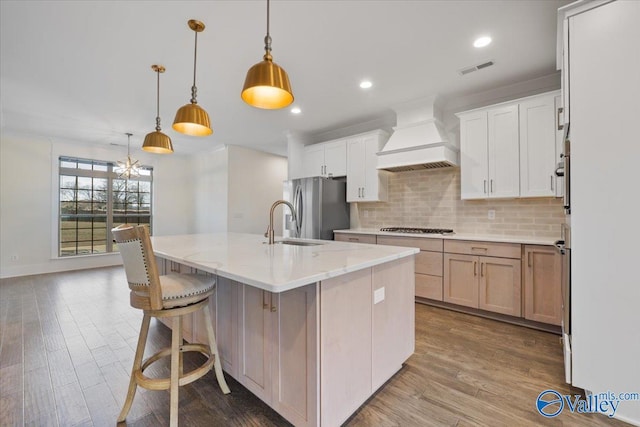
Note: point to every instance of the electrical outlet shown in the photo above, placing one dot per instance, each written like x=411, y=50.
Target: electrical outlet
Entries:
x=13, y=258
x=491, y=214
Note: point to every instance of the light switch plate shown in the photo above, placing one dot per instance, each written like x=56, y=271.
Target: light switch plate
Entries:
x=378, y=295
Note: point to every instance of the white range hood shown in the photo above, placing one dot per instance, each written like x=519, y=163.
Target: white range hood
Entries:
x=418, y=140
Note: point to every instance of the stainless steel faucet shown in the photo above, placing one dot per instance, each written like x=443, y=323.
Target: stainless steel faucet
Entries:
x=269, y=232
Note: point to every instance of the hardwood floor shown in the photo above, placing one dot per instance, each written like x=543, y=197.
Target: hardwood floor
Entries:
x=67, y=342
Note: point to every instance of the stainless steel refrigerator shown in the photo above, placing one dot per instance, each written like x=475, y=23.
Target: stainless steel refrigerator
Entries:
x=321, y=207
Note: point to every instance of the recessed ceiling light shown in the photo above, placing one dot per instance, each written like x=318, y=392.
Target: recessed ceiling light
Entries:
x=482, y=41
x=296, y=110
x=365, y=84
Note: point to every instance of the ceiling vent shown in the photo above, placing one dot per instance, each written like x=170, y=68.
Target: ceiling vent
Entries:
x=475, y=68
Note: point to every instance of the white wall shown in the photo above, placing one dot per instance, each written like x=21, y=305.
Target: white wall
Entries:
x=28, y=212
x=209, y=191
x=255, y=182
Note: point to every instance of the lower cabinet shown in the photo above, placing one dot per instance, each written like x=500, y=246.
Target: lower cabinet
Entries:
x=428, y=263
x=277, y=335
x=484, y=282
x=542, y=267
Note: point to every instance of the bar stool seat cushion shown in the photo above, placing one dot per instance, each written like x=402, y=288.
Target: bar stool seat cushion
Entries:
x=183, y=289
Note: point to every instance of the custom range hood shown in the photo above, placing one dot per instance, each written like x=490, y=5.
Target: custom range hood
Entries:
x=418, y=141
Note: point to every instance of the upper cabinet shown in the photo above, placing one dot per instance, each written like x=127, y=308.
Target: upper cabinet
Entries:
x=510, y=150
x=538, y=147
x=328, y=159
x=365, y=183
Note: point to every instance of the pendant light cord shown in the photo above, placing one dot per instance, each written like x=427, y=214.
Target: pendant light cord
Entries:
x=158, y=102
x=194, y=90
x=128, y=145
x=267, y=39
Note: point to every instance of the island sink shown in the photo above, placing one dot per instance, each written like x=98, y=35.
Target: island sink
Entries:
x=298, y=243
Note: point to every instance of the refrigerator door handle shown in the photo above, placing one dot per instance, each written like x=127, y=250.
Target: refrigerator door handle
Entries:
x=298, y=205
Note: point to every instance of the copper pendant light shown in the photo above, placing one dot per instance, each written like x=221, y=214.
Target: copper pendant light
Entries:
x=191, y=119
x=267, y=84
x=157, y=142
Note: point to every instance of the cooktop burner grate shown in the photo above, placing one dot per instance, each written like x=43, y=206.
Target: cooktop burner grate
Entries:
x=417, y=230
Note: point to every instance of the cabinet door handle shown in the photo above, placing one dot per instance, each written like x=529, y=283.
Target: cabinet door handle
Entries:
x=475, y=268
x=354, y=239
x=529, y=260
x=265, y=304
x=482, y=269
x=362, y=192
x=551, y=182
x=560, y=126
x=478, y=248
x=485, y=186
x=273, y=307
x=492, y=186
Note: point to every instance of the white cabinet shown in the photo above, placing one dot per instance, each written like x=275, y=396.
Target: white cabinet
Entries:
x=365, y=183
x=474, y=160
x=489, y=153
x=504, y=153
x=538, y=147
x=511, y=149
x=327, y=159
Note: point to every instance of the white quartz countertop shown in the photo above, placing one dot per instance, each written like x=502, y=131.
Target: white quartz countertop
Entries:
x=526, y=240
x=275, y=268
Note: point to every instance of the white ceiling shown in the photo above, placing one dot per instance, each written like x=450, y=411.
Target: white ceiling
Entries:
x=81, y=70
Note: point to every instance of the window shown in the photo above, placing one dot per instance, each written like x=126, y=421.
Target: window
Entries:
x=93, y=200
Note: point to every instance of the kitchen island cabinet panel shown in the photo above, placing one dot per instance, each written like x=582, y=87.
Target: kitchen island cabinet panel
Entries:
x=226, y=313
x=295, y=358
x=345, y=345
x=500, y=285
x=393, y=319
x=542, y=284
x=255, y=332
x=461, y=280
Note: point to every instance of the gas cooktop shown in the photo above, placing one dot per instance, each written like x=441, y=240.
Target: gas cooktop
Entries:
x=418, y=230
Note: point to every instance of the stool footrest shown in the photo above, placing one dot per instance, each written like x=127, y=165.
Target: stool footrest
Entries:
x=189, y=377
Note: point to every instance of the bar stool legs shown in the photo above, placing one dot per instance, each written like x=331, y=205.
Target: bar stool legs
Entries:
x=178, y=377
x=137, y=363
x=217, y=365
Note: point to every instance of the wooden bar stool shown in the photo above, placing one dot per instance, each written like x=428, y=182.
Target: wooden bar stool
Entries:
x=173, y=295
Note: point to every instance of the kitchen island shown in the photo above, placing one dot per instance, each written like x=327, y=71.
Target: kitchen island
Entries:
x=313, y=328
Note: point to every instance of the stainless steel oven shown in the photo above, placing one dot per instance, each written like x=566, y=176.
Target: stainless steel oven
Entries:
x=564, y=247
x=566, y=169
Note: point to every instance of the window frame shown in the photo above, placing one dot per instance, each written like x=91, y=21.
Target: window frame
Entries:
x=110, y=175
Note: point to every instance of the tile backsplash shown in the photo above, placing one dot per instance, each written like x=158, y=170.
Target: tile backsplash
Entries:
x=431, y=198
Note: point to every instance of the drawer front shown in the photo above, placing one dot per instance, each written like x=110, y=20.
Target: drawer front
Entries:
x=355, y=238
x=425, y=244
x=501, y=250
x=429, y=287
x=429, y=263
